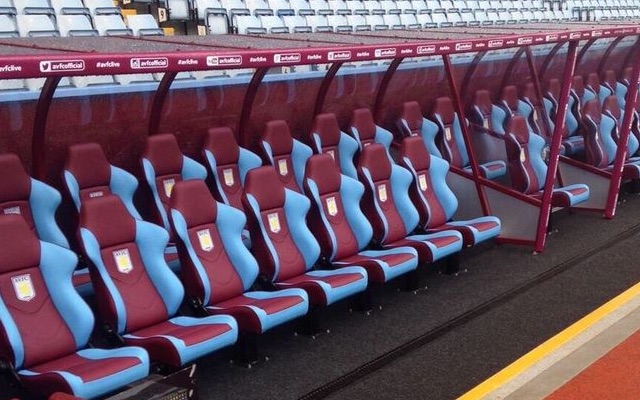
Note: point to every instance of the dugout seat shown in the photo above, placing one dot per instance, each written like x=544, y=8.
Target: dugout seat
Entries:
x=434, y=200
x=288, y=155
x=450, y=141
x=365, y=131
x=341, y=228
x=327, y=137
x=394, y=219
x=217, y=270
x=137, y=294
x=45, y=325
x=611, y=107
x=528, y=170
x=285, y=248
x=572, y=139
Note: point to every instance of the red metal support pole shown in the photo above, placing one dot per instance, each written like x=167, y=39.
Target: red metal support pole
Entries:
x=538, y=88
x=159, y=98
x=39, y=139
x=464, y=86
x=556, y=140
x=457, y=103
x=324, y=87
x=247, y=104
x=382, y=88
x=621, y=152
x=512, y=64
x=545, y=64
x=607, y=53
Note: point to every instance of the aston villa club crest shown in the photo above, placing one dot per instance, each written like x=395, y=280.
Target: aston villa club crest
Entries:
x=228, y=177
x=204, y=237
x=274, y=222
x=123, y=261
x=282, y=167
x=23, y=286
x=168, y=186
x=332, y=207
x=382, y=193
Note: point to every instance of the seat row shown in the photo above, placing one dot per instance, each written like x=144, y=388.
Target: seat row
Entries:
x=404, y=221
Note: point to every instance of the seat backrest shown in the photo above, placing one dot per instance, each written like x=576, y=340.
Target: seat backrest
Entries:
x=88, y=175
x=335, y=218
x=133, y=284
x=386, y=201
x=144, y=25
x=573, y=114
x=611, y=108
x=215, y=264
x=228, y=164
x=280, y=238
x=581, y=90
x=530, y=96
x=42, y=317
x=35, y=201
x=486, y=114
x=601, y=91
x=524, y=156
x=287, y=155
x=600, y=148
x=365, y=131
x=36, y=25
x=450, y=139
x=75, y=25
x=429, y=192
x=327, y=138
x=413, y=123
x=164, y=165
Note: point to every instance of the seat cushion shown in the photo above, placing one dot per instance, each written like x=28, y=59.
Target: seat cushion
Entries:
x=383, y=265
x=88, y=373
x=182, y=339
x=432, y=246
x=260, y=311
x=492, y=169
x=573, y=145
x=326, y=287
x=473, y=231
x=569, y=196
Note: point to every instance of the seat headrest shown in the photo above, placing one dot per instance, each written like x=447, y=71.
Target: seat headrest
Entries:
x=195, y=202
x=414, y=149
x=593, y=81
x=375, y=159
x=593, y=110
x=362, y=120
x=444, y=108
x=326, y=125
x=89, y=165
x=222, y=143
x=610, y=78
x=510, y=96
x=482, y=100
x=15, y=184
x=611, y=105
x=412, y=114
x=265, y=186
x=627, y=73
x=518, y=127
x=109, y=221
x=578, y=85
x=19, y=245
x=529, y=92
x=554, y=88
x=278, y=135
x=163, y=152
x=323, y=170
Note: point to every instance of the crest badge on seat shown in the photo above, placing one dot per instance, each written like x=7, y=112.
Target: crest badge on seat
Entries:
x=204, y=237
x=168, y=186
x=382, y=193
x=282, y=167
x=274, y=222
x=123, y=261
x=422, y=180
x=332, y=207
x=447, y=133
x=23, y=286
x=228, y=177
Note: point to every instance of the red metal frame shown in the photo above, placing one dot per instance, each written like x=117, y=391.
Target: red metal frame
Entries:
x=383, y=86
x=324, y=87
x=158, y=101
x=556, y=140
x=247, y=104
x=39, y=137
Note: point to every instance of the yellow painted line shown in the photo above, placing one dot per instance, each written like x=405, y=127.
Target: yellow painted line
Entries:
x=551, y=345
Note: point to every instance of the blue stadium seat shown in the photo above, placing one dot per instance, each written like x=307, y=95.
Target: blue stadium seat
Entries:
x=285, y=248
x=137, y=294
x=342, y=229
x=365, y=131
x=327, y=138
x=434, y=200
x=45, y=326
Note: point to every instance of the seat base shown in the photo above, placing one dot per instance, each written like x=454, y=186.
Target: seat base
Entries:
x=326, y=287
x=473, y=231
x=431, y=246
x=383, y=265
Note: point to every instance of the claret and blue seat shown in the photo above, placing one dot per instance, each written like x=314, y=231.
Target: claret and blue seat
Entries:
x=37, y=203
x=287, y=250
x=287, y=155
x=365, y=131
x=342, y=229
x=219, y=273
x=435, y=201
x=45, y=325
x=327, y=138
x=137, y=294
x=394, y=218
